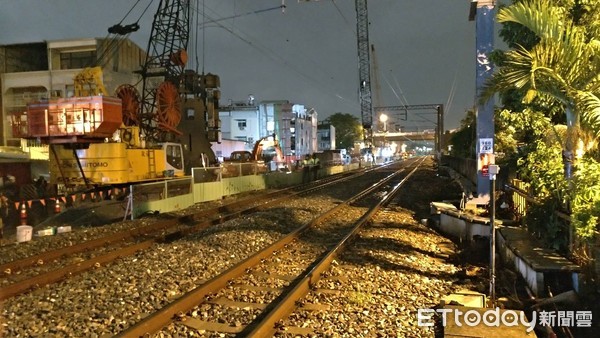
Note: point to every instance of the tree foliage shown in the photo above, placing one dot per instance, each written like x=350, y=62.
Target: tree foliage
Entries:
x=348, y=130
x=563, y=67
x=549, y=82
x=463, y=140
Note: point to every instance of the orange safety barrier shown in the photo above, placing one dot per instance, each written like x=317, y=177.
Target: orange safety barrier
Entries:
x=57, y=206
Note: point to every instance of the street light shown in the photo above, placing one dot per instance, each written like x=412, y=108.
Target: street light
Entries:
x=383, y=119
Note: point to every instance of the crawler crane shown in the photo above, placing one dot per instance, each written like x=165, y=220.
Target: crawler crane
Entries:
x=96, y=139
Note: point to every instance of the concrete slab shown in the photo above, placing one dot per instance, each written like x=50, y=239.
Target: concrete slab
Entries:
x=437, y=207
x=530, y=250
x=465, y=298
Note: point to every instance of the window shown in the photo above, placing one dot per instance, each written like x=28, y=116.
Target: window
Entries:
x=190, y=113
x=241, y=124
x=70, y=90
x=74, y=60
x=174, y=156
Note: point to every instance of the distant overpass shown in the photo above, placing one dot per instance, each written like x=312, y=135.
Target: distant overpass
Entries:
x=399, y=137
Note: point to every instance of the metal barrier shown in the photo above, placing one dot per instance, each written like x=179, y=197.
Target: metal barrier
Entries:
x=208, y=174
x=520, y=196
x=161, y=196
x=243, y=169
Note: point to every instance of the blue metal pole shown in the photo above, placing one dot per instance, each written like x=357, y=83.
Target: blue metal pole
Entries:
x=484, y=21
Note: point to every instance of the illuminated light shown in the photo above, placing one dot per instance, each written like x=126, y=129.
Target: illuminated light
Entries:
x=580, y=149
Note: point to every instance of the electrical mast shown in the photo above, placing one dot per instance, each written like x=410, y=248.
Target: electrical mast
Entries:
x=364, y=65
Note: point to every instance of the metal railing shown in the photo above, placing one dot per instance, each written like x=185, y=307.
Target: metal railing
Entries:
x=160, y=190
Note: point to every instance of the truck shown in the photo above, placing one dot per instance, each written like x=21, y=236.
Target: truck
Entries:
x=330, y=157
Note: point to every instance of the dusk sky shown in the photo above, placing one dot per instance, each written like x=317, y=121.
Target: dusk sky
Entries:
x=425, y=49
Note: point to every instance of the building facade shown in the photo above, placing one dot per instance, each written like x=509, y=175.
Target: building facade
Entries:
x=304, y=128
x=34, y=71
x=293, y=124
x=325, y=137
x=239, y=121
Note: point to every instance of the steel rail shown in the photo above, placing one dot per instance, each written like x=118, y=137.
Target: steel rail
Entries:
x=70, y=270
x=267, y=326
x=164, y=316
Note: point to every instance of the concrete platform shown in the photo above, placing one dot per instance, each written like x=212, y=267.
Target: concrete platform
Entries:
x=535, y=263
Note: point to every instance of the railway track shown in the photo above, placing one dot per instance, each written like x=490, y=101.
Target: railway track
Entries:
x=284, y=272
x=109, y=300
x=29, y=273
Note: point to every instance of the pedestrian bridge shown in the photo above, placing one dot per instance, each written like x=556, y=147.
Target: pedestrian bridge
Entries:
x=427, y=135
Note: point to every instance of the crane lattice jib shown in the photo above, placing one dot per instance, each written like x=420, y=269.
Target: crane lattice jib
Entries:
x=165, y=64
x=364, y=64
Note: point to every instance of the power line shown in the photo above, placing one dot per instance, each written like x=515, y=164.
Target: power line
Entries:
x=268, y=52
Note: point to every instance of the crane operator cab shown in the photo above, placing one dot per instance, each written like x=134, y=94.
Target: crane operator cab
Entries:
x=174, y=159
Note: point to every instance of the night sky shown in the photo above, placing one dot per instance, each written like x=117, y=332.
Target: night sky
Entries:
x=424, y=49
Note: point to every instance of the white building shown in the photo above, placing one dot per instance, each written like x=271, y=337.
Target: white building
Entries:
x=239, y=121
x=305, y=130
x=293, y=124
x=325, y=136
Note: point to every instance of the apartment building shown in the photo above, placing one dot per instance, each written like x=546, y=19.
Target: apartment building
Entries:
x=294, y=124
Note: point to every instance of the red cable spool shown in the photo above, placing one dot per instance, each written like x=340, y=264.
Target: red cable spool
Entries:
x=168, y=106
x=130, y=99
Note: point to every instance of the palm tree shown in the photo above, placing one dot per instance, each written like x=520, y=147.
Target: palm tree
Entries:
x=563, y=66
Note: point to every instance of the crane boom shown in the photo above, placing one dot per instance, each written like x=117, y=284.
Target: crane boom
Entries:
x=364, y=65
x=163, y=69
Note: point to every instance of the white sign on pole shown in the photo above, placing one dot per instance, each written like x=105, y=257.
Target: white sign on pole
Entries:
x=486, y=145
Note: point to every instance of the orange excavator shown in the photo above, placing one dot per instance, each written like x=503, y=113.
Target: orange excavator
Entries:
x=266, y=149
x=266, y=155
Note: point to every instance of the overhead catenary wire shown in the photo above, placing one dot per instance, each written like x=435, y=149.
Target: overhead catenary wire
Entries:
x=268, y=52
x=350, y=26
x=452, y=92
x=116, y=40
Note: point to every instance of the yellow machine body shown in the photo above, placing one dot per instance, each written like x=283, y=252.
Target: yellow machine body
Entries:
x=105, y=164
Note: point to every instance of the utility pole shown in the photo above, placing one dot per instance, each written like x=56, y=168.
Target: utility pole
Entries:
x=483, y=13
x=364, y=67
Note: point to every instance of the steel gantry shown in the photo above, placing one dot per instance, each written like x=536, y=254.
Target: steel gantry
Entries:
x=438, y=109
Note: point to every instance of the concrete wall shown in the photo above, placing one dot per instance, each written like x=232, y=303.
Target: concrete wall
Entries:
x=155, y=199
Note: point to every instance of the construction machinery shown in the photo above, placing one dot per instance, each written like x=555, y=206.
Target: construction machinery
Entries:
x=266, y=155
x=364, y=68
x=97, y=139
